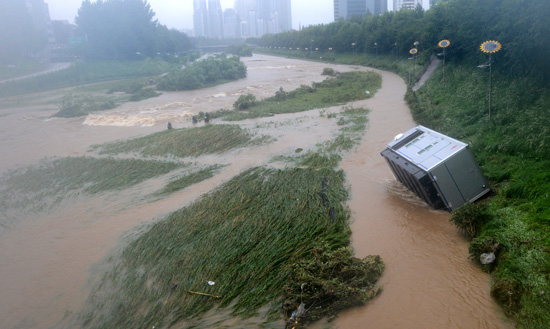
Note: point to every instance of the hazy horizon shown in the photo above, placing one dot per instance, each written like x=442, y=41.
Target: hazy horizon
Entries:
x=179, y=14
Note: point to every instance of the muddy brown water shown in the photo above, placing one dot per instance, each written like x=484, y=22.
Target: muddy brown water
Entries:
x=47, y=260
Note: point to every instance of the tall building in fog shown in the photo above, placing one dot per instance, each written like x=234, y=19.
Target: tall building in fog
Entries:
x=405, y=4
x=231, y=24
x=200, y=18
x=248, y=18
x=215, y=19
x=377, y=7
x=349, y=8
x=259, y=17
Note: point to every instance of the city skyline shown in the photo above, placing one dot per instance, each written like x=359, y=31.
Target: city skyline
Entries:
x=248, y=18
x=178, y=14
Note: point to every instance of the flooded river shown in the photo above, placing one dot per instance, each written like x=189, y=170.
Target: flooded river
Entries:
x=47, y=260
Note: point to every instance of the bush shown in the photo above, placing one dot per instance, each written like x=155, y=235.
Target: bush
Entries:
x=241, y=50
x=72, y=106
x=328, y=71
x=143, y=94
x=328, y=282
x=201, y=74
x=245, y=102
x=470, y=217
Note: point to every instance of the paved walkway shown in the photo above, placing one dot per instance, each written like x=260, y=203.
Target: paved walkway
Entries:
x=427, y=74
x=49, y=69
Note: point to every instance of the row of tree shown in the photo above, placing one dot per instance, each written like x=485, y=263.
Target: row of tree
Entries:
x=521, y=26
x=125, y=29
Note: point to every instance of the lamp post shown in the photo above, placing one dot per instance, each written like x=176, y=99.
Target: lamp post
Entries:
x=444, y=44
x=376, y=48
x=413, y=52
x=490, y=47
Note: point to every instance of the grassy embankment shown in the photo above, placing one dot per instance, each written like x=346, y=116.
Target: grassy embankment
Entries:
x=81, y=73
x=513, y=150
x=20, y=68
x=256, y=237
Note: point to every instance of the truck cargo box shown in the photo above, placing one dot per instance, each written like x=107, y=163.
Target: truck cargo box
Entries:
x=439, y=169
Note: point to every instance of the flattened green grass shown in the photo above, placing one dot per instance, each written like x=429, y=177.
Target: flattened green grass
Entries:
x=209, y=139
x=242, y=236
x=343, y=88
x=189, y=179
x=40, y=187
x=249, y=236
x=352, y=122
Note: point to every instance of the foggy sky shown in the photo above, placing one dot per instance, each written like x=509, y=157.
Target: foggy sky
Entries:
x=178, y=14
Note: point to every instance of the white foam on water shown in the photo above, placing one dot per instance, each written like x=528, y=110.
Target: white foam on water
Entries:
x=142, y=118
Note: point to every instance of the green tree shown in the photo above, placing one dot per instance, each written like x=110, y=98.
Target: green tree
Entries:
x=125, y=29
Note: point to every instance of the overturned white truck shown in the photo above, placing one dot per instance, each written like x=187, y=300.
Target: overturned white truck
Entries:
x=437, y=168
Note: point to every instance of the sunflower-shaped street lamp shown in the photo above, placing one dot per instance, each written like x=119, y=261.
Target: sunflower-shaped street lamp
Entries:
x=490, y=47
x=413, y=52
x=443, y=44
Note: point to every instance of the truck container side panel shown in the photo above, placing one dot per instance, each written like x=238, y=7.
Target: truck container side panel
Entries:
x=467, y=174
x=447, y=186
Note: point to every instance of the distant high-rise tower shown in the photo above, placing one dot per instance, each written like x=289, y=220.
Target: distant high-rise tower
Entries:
x=231, y=24
x=377, y=7
x=259, y=17
x=215, y=19
x=200, y=18
x=249, y=18
x=273, y=16
x=405, y=4
x=348, y=8
x=284, y=9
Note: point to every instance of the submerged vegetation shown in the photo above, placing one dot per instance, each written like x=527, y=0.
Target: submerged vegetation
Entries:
x=352, y=122
x=42, y=187
x=189, y=178
x=242, y=237
x=209, y=139
x=330, y=281
x=72, y=106
x=342, y=88
x=249, y=243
